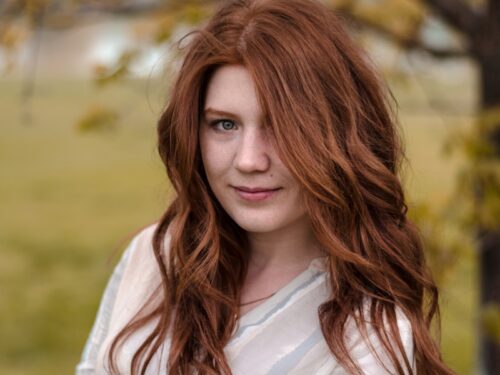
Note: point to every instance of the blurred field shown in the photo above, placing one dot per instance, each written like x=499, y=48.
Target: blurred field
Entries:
x=70, y=201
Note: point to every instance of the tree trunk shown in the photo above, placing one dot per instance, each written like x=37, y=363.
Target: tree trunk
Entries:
x=489, y=361
x=489, y=239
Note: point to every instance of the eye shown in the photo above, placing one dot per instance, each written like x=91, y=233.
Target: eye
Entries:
x=223, y=124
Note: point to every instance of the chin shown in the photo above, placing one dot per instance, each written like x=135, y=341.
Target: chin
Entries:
x=259, y=224
x=256, y=228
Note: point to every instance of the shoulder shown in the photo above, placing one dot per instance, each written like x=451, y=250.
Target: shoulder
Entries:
x=141, y=260
x=140, y=249
x=142, y=240
x=140, y=276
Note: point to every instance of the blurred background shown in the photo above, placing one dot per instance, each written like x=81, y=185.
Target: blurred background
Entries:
x=82, y=84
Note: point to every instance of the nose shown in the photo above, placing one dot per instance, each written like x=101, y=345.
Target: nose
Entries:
x=253, y=154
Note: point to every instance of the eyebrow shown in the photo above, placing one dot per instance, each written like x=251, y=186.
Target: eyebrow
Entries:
x=218, y=112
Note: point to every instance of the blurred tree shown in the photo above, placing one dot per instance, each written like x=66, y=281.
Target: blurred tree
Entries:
x=474, y=27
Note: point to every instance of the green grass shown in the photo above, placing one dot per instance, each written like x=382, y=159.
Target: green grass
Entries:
x=70, y=202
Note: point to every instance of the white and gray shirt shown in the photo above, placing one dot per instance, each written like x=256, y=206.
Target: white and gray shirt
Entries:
x=280, y=336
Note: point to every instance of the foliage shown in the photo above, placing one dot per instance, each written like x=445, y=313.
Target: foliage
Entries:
x=478, y=187
x=445, y=244
x=403, y=18
x=104, y=74
x=478, y=191
x=490, y=320
x=449, y=232
x=97, y=118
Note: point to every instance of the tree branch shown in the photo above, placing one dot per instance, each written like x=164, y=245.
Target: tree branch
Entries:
x=402, y=41
x=457, y=14
x=441, y=53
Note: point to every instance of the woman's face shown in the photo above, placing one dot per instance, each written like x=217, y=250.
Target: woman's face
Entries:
x=243, y=170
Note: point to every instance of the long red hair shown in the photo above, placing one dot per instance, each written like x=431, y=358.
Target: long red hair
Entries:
x=333, y=128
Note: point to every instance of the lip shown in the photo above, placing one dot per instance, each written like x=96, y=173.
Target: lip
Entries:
x=255, y=193
x=255, y=189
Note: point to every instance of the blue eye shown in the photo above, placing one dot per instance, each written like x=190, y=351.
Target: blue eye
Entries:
x=225, y=124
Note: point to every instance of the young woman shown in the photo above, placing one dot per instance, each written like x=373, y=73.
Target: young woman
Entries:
x=286, y=249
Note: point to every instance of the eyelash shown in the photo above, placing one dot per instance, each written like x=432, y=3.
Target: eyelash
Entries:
x=214, y=124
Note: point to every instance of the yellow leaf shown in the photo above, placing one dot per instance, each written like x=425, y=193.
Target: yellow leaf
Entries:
x=491, y=321
x=97, y=118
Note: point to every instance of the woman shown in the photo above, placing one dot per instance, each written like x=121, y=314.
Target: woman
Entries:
x=287, y=249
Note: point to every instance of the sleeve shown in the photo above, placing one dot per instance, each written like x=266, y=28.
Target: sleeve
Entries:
x=371, y=356
x=376, y=363
x=99, y=330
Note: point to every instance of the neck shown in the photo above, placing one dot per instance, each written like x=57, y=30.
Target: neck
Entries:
x=290, y=247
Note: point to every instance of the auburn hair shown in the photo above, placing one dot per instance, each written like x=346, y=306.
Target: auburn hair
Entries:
x=334, y=129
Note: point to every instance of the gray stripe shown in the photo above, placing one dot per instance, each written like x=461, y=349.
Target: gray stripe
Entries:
x=278, y=306
x=287, y=363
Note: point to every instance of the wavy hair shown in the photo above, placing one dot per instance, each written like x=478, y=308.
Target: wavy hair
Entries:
x=340, y=142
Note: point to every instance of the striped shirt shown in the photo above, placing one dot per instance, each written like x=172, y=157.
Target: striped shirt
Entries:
x=280, y=336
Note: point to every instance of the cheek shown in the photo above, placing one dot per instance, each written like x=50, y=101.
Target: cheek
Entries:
x=206, y=153
x=215, y=159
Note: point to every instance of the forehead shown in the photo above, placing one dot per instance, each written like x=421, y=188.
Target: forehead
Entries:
x=231, y=88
